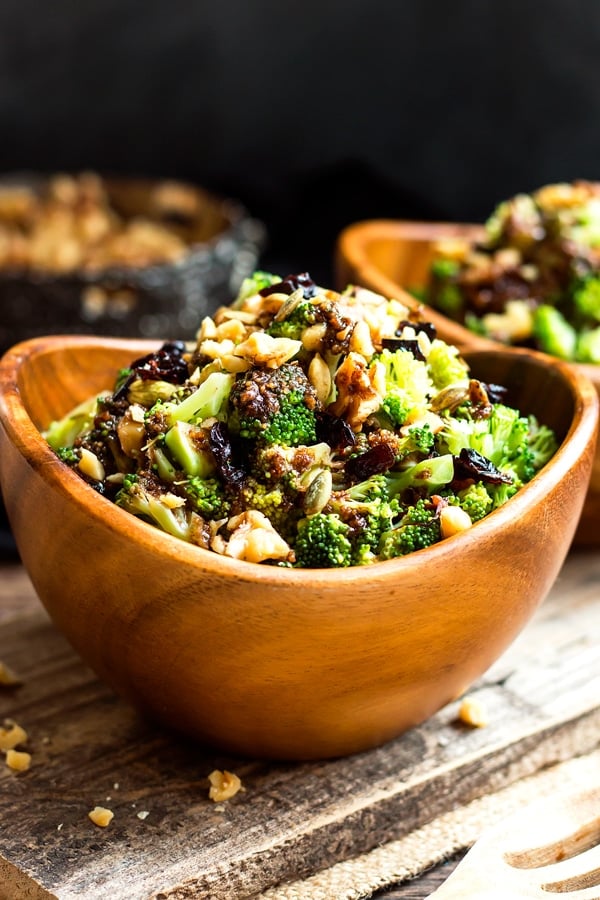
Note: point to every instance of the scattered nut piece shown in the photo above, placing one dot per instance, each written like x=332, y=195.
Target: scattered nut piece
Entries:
x=11, y=735
x=143, y=814
x=453, y=520
x=7, y=676
x=101, y=816
x=18, y=760
x=472, y=712
x=223, y=785
x=90, y=465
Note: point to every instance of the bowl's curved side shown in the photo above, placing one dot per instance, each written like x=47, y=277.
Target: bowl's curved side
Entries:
x=275, y=662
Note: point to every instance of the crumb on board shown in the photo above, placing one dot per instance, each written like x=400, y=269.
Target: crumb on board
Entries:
x=143, y=814
x=8, y=678
x=18, y=760
x=11, y=735
x=101, y=816
x=472, y=712
x=223, y=785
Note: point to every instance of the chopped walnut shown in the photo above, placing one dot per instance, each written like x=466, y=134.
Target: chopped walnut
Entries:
x=253, y=539
x=357, y=396
x=472, y=712
x=18, y=760
x=7, y=677
x=223, y=785
x=11, y=735
x=261, y=349
x=101, y=816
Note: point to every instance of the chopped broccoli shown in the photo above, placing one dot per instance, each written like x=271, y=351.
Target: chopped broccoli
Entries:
x=292, y=326
x=275, y=501
x=323, y=542
x=475, y=500
x=444, y=267
x=253, y=284
x=68, y=455
x=367, y=508
x=446, y=365
x=203, y=403
x=420, y=438
x=143, y=496
x=429, y=476
x=418, y=528
x=407, y=381
x=552, y=332
x=207, y=497
x=586, y=297
x=188, y=447
x=64, y=432
x=275, y=406
x=588, y=346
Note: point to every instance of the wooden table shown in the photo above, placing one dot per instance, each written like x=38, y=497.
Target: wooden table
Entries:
x=543, y=697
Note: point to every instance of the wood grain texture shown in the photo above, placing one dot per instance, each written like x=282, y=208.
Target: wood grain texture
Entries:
x=393, y=256
x=272, y=662
x=293, y=819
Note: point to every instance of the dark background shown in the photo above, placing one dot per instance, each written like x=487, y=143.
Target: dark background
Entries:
x=314, y=114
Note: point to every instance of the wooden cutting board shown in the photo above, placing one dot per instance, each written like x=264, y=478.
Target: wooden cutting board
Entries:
x=169, y=840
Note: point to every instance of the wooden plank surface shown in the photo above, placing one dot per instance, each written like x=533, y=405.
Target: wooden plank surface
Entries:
x=88, y=748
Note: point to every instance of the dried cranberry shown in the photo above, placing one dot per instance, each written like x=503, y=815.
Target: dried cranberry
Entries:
x=290, y=284
x=219, y=441
x=334, y=431
x=496, y=392
x=374, y=461
x=471, y=465
x=411, y=346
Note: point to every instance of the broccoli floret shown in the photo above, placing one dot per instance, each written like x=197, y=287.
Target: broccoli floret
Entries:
x=428, y=476
x=500, y=493
x=253, y=284
x=552, y=332
x=277, y=503
x=443, y=267
x=80, y=420
x=68, y=455
x=420, y=438
x=207, y=497
x=367, y=508
x=275, y=406
x=446, y=365
x=407, y=381
x=323, y=542
x=292, y=326
x=142, y=496
x=542, y=443
x=475, y=500
x=188, y=447
x=204, y=403
x=588, y=346
x=419, y=528
x=586, y=298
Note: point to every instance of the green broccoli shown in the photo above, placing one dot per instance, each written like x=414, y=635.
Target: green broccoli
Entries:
x=369, y=511
x=322, y=542
x=188, y=446
x=292, y=326
x=446, y=365
x=68, y=455
x=588, y=346
x=586, y=297
x=205, y=402
x=253, y=284
x=420, y=439
x=418, y=528
x=475, y=500
x=407, y=381
x=552, y=332
x=143, y=496
x=428, y=476
x=277, y=503
x=207, y=497
x=80, y=420
x=274, y=406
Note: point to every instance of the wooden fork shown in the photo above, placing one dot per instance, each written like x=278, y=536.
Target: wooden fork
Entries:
x=550, y=848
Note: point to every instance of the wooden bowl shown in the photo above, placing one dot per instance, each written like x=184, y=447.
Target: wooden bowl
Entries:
x=393, y=257
x=272, y=662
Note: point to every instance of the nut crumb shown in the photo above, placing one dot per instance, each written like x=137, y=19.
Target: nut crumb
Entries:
x=11, y=735
x=7, y=677
x=101, y=816
x=18, y=760
x=472, y=712
x=223, y=785
x=143, y=814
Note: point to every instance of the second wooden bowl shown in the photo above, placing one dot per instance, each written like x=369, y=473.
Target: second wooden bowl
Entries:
x=393, y=257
